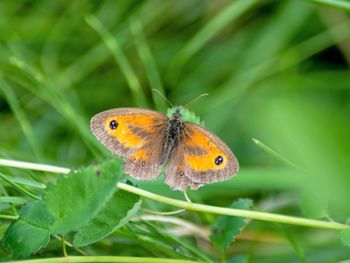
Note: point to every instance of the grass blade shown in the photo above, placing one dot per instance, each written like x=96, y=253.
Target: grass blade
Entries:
x=12, y=200
x=344, y=5
x=21, y=117
x=113, y=45
x=215, y=25
x=18, y=187
x=148, y=61
x=274, y=153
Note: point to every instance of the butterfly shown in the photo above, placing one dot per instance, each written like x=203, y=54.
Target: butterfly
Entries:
x=148, y=140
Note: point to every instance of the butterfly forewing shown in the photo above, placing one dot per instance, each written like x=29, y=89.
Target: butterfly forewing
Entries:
x=135, y=135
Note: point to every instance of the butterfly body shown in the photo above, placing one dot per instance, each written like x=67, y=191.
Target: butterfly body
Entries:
x=174, y=128
x=148, y=140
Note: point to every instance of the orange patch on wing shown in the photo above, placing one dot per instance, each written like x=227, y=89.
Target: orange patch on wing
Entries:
x=206, y=161
x=141, y=155
x=123, y=134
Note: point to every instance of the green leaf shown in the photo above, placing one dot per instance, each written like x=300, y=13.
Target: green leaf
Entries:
x=297, y=247
x=31, y=232
x=345, y=237
x=77, y=197
x=37, y=214
x=186, y=115
x=115, y=214
x=226, y=228
x=22, y=239
x=313, y=203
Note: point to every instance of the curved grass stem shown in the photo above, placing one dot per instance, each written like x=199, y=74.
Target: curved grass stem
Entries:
x=103, y=259
x=264, y=216
x=235, y=212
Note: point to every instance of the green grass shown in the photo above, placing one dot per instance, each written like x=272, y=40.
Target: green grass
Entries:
x=274, y=70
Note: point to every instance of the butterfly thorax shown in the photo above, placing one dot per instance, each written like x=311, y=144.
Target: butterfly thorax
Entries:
x=174, y=127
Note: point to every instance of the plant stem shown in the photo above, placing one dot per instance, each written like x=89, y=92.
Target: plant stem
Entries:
x=64, y=249
x=71, y=246
x=8, y=217
x=104, y=259
x=234, y=212
x=34, y=166
x=199, y=207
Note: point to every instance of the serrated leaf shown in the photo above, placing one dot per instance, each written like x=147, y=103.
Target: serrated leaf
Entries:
x=227, y=228
x=76, y=197
x=31, y=232
x=118, y=211
x=186, y=115
x=23, y=239
x=345, y=237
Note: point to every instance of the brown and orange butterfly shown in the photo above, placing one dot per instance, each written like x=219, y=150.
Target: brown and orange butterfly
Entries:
x=148, y=140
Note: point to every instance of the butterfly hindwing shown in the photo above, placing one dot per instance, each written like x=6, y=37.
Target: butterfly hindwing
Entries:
x=145, y=163
x=206, y=157
x=175, y=172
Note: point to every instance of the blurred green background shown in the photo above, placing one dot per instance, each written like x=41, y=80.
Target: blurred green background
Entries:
x=277, y=71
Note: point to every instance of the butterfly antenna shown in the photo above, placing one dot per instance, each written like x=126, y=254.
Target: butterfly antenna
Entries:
x=194, y=100
x=160, y=94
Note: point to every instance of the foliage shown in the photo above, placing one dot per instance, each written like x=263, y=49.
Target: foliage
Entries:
x=345, y=237
x=86, y=201
x=274, y=70
x=225, y=230
x=186, y=115
x=77, y=197
x=30, y=232
x=116, y=213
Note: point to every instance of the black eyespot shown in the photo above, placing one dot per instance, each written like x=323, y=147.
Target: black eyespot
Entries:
x=113, y=124
x=219, y=160
x=181, y=173
x=143, y=163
